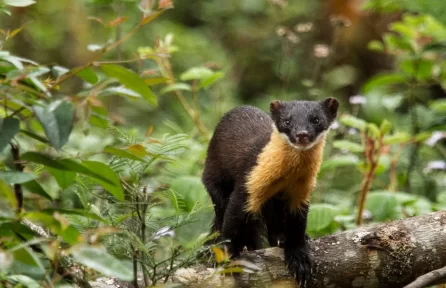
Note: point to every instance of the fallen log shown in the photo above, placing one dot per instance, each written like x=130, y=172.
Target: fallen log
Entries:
x=389, y=254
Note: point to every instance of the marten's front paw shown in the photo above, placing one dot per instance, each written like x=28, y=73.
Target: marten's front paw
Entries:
x=300, y=264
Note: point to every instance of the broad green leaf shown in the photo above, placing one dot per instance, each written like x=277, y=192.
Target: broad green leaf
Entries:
x=64, y=164
x=382, y=205
x=321, y=216
x=340, y=161
x=87, y=75
x=348, y=145
x=120, y=91
x=382, y=80
x=176, y=86
x=115, y=188
x=122, y=153
x=155, y=81
x=196, y=73
x=397, y=138
x=27, y=256
x=438, y=105
x=16, y=177
x=97, y=258
x=63, y=178
x=210, y=80
x=441, y=197
x=35, y=188
x=354, y=122
x=6, y=193
x=191, y=189
x=130, y=80
x=404, y=198
x=19, y=3
x=24, y=280
x=57, y=121
x=9, y=127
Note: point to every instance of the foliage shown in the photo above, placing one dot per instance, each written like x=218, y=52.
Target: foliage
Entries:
x=102, y=147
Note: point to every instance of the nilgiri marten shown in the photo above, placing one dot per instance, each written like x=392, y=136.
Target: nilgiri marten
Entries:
x=260, y=172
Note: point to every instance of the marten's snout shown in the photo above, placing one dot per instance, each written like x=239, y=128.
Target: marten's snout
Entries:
x=303, y=137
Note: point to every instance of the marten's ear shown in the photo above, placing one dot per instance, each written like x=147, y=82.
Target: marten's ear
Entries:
x=274, y=106
x=331, y=105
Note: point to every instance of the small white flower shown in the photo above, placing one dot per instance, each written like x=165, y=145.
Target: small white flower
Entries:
x=165, y=231
x=334, y=125
x=321, y=50
x=352, y=131
x=435, y=165
x=357, y=99
x=435, y=137
x=303, y=27
x=281, y=30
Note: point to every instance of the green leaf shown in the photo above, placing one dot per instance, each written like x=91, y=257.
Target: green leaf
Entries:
x=155, y=81
x=63, y=178
x=98, y=259
x=397, y=138
x=405, y=198
x=57, y=121
x=120, y=91
x=348, y=145
x=375, y=45
x=340, y=161
x=24, y=280
x=441, y=197
x=354, y=122
x=382, y=80
x=19, y=3
x=196, y=73
x=9, y=127
x=7, y=193
x=35, y=188
x=63, y=164
x=83, y=213
x=16, y=177
x=382, y=205
x=122, y=153
x=210, y=80
x=130, y=80
x=34, y=136
x=321, y=216
x=373, y=130
x=27, y=256
x=87, y=75
x=115, y=187
x=438, y=105
x=191, y=189
x=176, y=86
x=385, y=127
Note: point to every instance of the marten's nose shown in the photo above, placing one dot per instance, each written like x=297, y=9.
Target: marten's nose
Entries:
x=303, y=136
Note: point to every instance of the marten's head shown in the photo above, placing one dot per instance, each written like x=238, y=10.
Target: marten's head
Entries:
x=304, y=123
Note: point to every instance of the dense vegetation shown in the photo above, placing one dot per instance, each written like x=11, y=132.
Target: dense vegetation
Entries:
x=107, y=107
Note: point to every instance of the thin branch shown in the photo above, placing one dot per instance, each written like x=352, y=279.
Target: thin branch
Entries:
x=15, y=152
x=431, y=278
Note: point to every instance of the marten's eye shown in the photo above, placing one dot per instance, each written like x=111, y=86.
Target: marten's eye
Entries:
x=287, y=122
x=315, y=121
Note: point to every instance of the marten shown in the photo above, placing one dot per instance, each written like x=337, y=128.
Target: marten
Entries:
x=260, y=171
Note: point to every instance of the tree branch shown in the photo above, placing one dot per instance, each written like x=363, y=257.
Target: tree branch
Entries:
x=431, y=278
x=392, y=254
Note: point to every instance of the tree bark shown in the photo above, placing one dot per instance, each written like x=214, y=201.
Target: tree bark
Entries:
x=390, y=254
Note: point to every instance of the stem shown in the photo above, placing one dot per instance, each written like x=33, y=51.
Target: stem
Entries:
x=135, y=267
x=366, y=183
x=15, y=152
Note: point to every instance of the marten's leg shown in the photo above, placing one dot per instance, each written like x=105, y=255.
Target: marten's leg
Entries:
x=239, y=227
x=219, y=189
x=274, y=218
x=296, y=248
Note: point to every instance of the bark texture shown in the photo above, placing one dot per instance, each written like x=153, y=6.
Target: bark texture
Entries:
x=391, y=254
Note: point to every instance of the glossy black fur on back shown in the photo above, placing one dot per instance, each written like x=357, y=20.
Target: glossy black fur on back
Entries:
x=233, y=150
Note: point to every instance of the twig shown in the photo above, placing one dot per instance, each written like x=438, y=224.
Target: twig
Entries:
x=431, y=278
x=15, y=152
